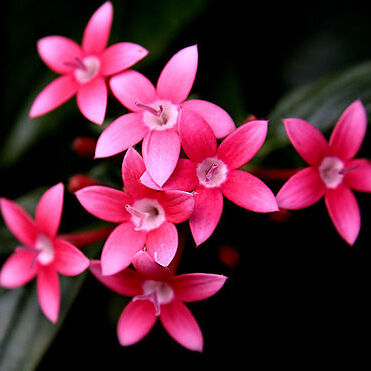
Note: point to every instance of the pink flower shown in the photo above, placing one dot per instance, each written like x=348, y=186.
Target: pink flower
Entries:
x=332, y=172
x=211, y=171
x=157, y=293
x=156, y=114
x=42, y=253
x=85, y=68
x=146, y=217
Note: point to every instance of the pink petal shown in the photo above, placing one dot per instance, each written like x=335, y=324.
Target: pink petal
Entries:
x=124, y=132
x=130, y=87
x=161, y=150
x=344, y=212
x=162, y=243
x=183, y=178
x=49, y=210
x=197, y=137
x=126, y=283
x=218, y=119
x=19, y=222
x=119, y=57
x=178, y=205
x=56, y=93
x=358, y=179
x=303, y=189
x=92, y=100
x=48, y=292
x=242, y=145
x=97, y=31
x=69, y=260
x=207, y=212
x=197, y=286
x=177, y=77
x=120, y=248
x=147, y=267
x=180, y=324
x=18, y=269
x=307, y=140
x=248, y=191
x=104, y=203
x=58, y=52
x=349, y=132
x=135, y=322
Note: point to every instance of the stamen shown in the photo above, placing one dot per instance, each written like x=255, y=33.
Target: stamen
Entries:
x=137, y=213
x=348, y=170
x=152, y=297
x=32, y=249
x=79, y=64
x=211, y=172
x=154, y=111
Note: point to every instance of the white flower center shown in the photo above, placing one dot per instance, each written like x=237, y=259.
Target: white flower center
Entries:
x=45, y=250
x=331, y=171
x=87, y=69
x=211, y=172
x=160, y=115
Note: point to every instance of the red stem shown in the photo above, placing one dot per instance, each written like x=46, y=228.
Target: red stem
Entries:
x=82, y=239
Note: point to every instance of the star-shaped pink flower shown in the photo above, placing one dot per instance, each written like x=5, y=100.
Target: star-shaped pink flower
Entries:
x=211, y=172
x=333, y=171
x=157, y=293
x=157, y=113
x=84, y=68
x=42, y=253
x=146, y=217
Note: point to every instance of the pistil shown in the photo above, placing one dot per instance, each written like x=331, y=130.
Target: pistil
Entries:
x=142, y=216
x=210, y=173
x=156, y=112
x=78, y=64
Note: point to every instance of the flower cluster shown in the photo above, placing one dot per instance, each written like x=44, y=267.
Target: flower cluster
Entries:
x=180, y=175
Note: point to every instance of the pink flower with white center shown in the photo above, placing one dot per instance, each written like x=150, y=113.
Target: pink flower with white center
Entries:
x=84, y=69
x=333, y=171
x=157, y=113
x=211, y=171
x=42, y=253
x=146, y=217
x=157, y=293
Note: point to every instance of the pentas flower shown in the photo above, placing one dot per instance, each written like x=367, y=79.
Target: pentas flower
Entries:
x=333, y=171
x=157, y=113
x=211, y=172
x=157, y=293
x=42, y=253
x=84, y=68
x=146, y=217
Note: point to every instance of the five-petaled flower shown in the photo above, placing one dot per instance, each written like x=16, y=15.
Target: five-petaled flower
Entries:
x=84, y=68
x=42, y=253
x=158, y=293
x=157, y=113
x=333, y=171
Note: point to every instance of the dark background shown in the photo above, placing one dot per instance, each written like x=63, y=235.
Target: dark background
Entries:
x=299, y=294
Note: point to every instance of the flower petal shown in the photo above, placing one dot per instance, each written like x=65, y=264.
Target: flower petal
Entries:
x=198, y=139
x=18, y=269
x=120, y=248
x=48, y=292
x=349, y=132
x=58, y=52
x=249, y=192
x=104, y=202
x=147, y=267
x=130, y=87
x=97, y=31
x=126, y=283
x=19, y=222
x=308, y=141
x=177, y=77
x=218, y=119
x=69, y=260
x=92, y=100
x=207, y=212
x=178, y=205
x=359, y=178
x=49, y=210
x=162, y=243
x=242, y=145
x=161, y=150
x=135, y=322
x=197, y=286
x=120, y=56
x=303, y=189
x=344, y=212
x=56, y=93
x=124, y=132
x=180, y=324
